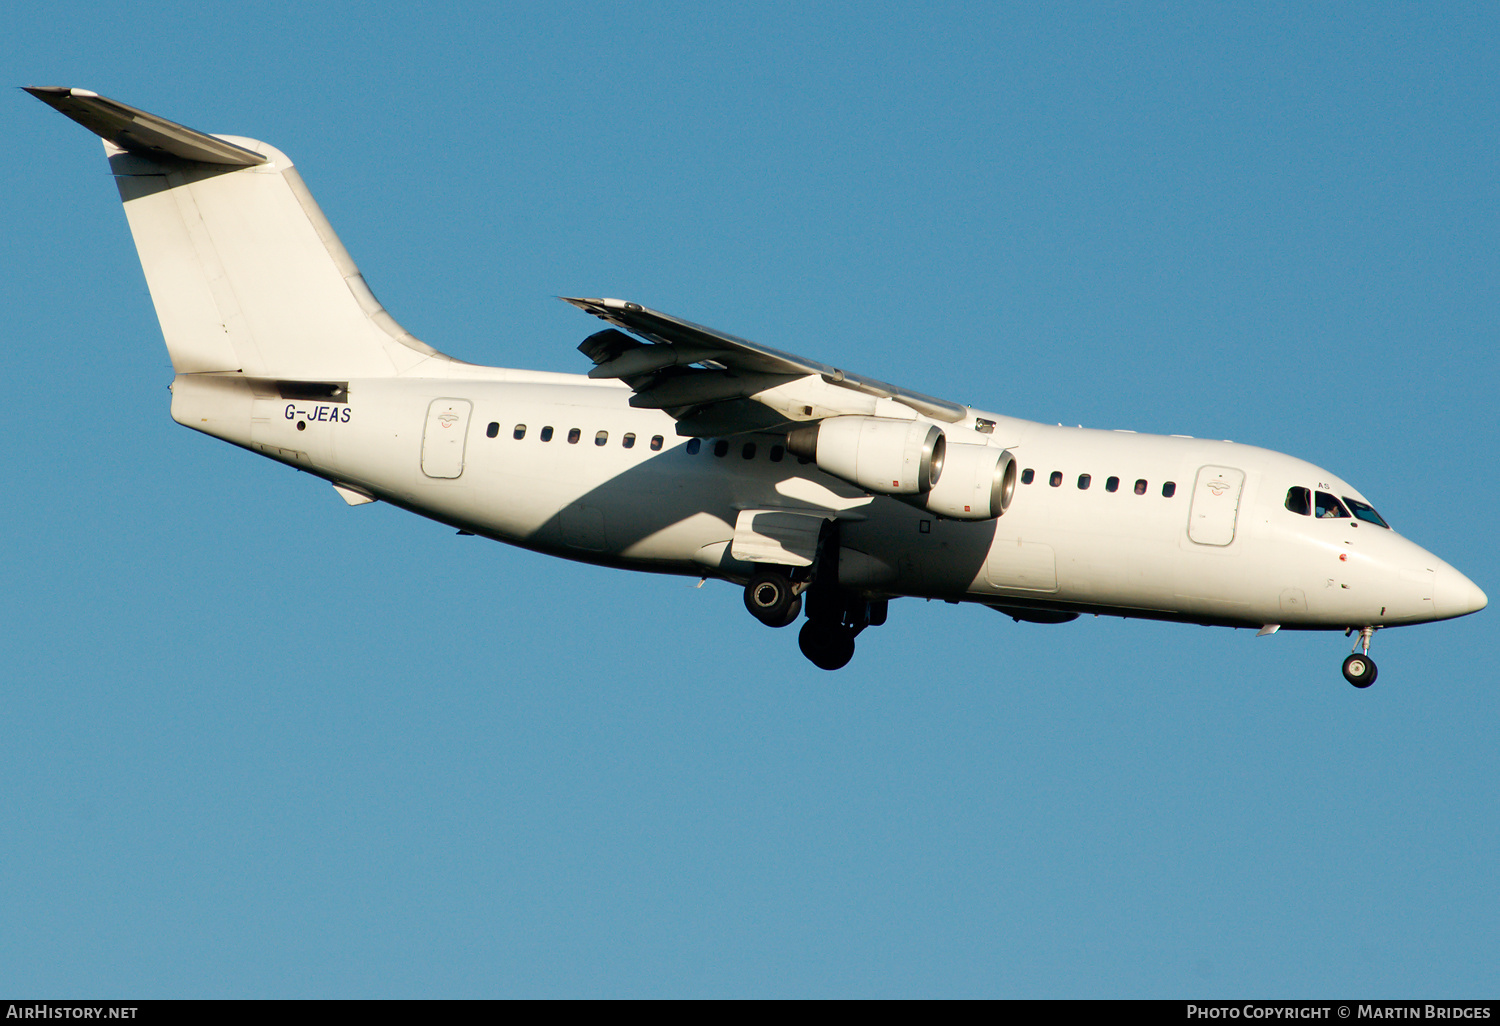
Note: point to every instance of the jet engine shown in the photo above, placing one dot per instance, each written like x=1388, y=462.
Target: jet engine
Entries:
x=880, y=454
x=978, y=482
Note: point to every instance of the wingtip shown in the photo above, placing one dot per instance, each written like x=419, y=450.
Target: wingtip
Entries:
x=61, y=92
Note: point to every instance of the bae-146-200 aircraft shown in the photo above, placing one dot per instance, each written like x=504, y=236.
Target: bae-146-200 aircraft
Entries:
x=688, y=451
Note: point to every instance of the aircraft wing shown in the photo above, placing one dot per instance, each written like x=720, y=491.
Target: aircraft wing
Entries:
x=716, y=383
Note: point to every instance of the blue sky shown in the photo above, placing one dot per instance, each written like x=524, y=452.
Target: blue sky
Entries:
x=258, y=743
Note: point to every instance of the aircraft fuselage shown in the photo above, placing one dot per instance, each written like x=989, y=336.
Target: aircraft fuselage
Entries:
x=570, y=487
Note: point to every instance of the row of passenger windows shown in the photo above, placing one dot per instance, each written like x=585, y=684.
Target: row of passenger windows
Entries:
x=1325, y=507
x=747, y=451
x=627, y=440
x=1111, y=484
x=694, y=446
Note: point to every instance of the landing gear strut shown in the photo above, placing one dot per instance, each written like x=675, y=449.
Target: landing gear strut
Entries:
x=1359, y=668
x=835, y=616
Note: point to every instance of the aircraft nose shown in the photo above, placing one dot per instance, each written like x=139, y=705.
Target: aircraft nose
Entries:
x=1456, y=595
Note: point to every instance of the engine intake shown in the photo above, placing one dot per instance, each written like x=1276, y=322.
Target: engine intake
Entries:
x=880, y=454
x=978, y=483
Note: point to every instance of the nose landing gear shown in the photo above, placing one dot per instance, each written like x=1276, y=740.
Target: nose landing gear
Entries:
x=1359, y=668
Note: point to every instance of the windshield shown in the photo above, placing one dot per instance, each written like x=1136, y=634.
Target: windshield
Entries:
x=1366, y=513
x=1327, y=506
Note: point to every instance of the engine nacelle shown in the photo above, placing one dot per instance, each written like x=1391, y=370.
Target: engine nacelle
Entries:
x=978, y=482
x=880, y=454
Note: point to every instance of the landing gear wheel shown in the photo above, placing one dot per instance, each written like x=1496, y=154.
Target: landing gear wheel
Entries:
x=793, y=611
x=1359, y=670
x=827, y=646
x=771, y=600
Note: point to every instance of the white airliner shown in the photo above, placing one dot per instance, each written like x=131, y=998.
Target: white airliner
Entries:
x=688, y=451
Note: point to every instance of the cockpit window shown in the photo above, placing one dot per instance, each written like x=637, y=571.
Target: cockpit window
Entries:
x=1299, y=500
x=1328, y=507
x=1363, y=511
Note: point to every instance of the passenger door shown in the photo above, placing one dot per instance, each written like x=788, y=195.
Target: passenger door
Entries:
x=1216, y=505
x=444, y=437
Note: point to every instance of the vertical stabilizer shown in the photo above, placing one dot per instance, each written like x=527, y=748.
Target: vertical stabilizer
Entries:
x=246, y=274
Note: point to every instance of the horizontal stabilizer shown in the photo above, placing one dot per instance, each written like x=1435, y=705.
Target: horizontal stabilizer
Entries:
x=142, y=133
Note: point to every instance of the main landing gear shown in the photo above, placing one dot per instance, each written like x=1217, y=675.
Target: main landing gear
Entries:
x=834, y=616
x=834, y=620
x=1359, y=668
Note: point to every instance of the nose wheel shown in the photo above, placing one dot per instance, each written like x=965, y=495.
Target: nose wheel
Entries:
x=1359, y=668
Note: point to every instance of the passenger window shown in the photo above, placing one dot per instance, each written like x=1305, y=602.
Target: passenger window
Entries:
x=1299, y=500
x=602, y=438
x=1055, y=479
x=1028, y=475
x=1169, y=489
x=694, y=444
x=1328, y=508
x=1140, y=487
x=721, y=448
x=574, y=434
x=547, y=433
x=656, y=443
x=629, y=440
x=518, y=433
x=776, y=453
x=1083, y=482
x=1112, y=485
x=748, y=451
x=493, y=430
x=1364, y=512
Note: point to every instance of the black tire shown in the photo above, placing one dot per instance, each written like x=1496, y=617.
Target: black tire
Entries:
x=1359, y=670
x=793, y=611
x=827, y=646
x=770, y=599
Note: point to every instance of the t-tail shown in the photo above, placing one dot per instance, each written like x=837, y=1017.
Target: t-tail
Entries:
x=247, y=276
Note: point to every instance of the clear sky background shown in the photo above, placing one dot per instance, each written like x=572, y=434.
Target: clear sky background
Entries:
x=257, y=743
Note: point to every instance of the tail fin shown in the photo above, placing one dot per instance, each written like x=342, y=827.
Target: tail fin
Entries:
x=246, y=273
